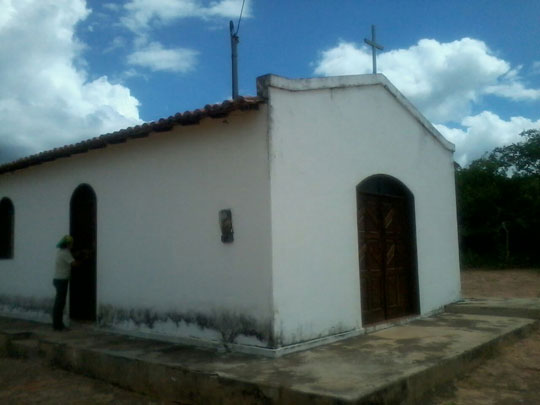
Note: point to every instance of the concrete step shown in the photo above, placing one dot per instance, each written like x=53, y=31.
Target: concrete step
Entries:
x=24, y=348
x=401, y=364
x=512, y=307
x=7, y=339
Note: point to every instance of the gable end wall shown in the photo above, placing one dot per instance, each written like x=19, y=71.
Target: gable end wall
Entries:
x=323, y=143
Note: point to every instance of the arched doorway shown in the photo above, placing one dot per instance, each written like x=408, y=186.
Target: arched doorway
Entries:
x=82, y=290
x=387, y=249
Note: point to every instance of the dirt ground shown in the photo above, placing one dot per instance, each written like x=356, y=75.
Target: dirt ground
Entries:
x=513, y=375
x=501, y=283
x=31, y=382
x=510, y=377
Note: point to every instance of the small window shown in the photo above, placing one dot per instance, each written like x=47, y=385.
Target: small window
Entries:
x=6, y=228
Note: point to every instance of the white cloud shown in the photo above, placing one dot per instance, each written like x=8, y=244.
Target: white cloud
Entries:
x=483, y=132
x=514, y=91
x=228, y=9
x=116, y=43
x=141, y=14
x=445, y=80
x=344, y=59
x=112, y=6
x=45, y=99
x=156, y=58
x=442, y=79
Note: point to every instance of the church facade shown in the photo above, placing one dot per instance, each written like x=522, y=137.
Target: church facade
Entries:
x=315, y=211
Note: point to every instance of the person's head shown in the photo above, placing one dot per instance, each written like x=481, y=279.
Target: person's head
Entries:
x=65, y=243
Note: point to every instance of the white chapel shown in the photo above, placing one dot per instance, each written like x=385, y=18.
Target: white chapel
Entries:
x=320, y=209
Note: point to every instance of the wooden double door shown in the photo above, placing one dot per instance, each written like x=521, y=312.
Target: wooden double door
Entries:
x=387, y=253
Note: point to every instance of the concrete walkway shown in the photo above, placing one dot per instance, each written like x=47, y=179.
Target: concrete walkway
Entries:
x=397, y=365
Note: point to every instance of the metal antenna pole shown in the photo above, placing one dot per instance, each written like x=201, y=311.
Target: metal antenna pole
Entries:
x=234, y=57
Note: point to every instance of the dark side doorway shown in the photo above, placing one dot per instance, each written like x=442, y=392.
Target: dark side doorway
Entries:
x=387, y=250
x=7, y=213
x=82, y=290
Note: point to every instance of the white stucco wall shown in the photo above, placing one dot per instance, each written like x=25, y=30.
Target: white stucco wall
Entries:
x=322, y=144
x=158, y=237
x=288, y=172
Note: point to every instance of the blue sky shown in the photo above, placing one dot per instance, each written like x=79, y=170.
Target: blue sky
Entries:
x=73, y=69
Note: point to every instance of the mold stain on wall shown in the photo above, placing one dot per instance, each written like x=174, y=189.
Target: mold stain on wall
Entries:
x=16, y=303
x=228, y=324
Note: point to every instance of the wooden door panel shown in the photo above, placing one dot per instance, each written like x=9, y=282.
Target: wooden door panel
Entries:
x=373, y=298
x=390, y=285
x=390, y=253
x=371, y=261
x=386, y=270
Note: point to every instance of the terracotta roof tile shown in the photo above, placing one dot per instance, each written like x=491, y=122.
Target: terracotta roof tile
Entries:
x=139, y=131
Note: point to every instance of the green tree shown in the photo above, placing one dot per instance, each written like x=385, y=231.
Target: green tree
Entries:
x=499, y=205
x=522, y=158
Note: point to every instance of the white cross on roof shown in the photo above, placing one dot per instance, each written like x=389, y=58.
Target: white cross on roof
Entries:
x=374, y=45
